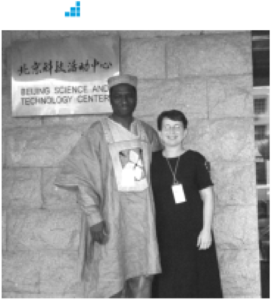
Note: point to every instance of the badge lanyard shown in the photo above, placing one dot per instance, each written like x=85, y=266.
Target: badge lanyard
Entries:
x=174, y=174
x=177, y=187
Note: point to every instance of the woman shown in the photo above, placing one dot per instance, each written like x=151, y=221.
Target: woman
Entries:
x=184, y=208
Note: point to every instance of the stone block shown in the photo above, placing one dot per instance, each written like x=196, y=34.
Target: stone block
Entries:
x=38, y=296
x=207, y=55
x=222, y=31
x=59, y=273
x=241, y=297
x=234, y=183
x=236, y=227
x=6, y=38
x=9, y=64
x=3, y=147
x=20, y=272
x=176, y=33
x=54, y=197
x=4, y=230
x=4, y=66
x=99, y=32
x=70, y=33
x=45, y=274
x=21, y=187
x=240, y=273
x=155, y=96
x=136, y=34
x=72, y=120
x=222, y=139
x=8, y=120
x=42, y=229
x=39, y=147
x=51, y=34
x=144, y=58
x=230, y=96
x=24, y=35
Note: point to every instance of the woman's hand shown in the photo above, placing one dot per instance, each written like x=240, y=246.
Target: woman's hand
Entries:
x=204, y=240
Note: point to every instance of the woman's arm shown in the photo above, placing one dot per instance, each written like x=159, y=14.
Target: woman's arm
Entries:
x=205, y=237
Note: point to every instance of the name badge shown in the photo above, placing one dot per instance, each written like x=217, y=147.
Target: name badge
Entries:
x=178, y=193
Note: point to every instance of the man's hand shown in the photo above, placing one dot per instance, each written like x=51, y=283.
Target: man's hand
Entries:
x=99, y=233
x=204, y=240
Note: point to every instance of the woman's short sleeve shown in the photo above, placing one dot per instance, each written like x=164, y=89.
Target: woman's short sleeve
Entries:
x=203, y=172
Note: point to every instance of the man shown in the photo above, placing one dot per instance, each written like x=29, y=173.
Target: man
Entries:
x=110, y=169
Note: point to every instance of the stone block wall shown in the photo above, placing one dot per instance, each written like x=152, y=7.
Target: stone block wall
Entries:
x=206, y=74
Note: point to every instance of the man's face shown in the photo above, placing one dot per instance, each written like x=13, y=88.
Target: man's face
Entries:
x=123, y=100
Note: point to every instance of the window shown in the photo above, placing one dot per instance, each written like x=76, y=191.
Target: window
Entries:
x=261, y=173
x=260, y=58
x=260, y=106
x=260, y=132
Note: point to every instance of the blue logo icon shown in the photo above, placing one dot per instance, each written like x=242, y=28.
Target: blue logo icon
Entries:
x=74, y=11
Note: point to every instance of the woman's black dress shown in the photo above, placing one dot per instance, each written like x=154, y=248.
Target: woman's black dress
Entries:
x=186, y=271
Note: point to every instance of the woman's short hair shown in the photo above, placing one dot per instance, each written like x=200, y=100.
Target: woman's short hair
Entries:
x=174, y=115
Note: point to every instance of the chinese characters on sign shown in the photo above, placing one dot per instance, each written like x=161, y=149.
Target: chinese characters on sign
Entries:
x=72, y=66
x=67, y=76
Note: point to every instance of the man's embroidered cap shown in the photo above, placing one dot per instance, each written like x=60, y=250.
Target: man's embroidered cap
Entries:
x=122, y=79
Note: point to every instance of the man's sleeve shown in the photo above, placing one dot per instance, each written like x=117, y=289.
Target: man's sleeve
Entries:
x=156, y=143
x=153, y=137
x=82, y=171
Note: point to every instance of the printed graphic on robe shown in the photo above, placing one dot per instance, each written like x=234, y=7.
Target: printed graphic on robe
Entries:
x=132, y=166
x=74, y=11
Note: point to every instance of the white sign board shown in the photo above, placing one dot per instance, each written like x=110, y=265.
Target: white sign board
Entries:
x=63, y=76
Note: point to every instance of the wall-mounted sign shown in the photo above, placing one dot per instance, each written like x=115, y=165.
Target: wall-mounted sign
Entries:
x=62, y=77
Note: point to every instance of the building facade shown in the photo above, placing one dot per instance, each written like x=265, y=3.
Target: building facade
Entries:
x=207, y=75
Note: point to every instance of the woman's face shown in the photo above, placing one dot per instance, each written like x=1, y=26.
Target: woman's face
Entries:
x=172, y=132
